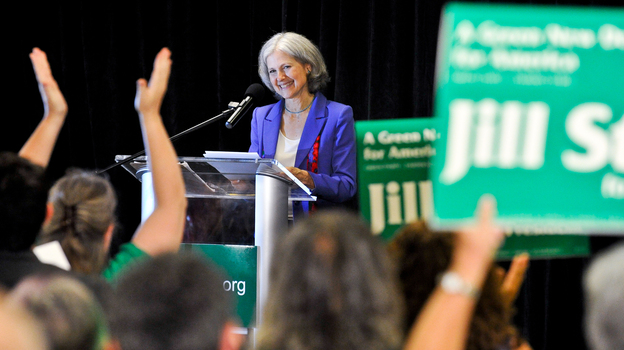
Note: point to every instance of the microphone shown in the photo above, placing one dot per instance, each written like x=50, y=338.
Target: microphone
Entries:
x=254, y=93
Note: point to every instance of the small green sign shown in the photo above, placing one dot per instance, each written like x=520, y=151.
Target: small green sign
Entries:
x=530, y=104
x=239, y=262
x=393, y=171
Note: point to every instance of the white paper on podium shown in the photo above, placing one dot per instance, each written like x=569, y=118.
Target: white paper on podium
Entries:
x=250, y=177
x=226, y=169
x=231, y=155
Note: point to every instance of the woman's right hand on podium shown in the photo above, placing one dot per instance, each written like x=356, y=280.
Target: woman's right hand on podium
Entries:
x=241, y=185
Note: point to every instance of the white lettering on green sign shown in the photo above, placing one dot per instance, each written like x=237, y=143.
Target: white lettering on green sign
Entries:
x=567, y=37
x=521, y=136
x=546, y=60
x=374, y=154
x=488, y=33
x=411, y=152
x=488, y=134
x=602, y=147
x=612, y=186
x=234, y=286
x=369, y=139
x=492, y=35
x=370, y=154
x=386, y=138
x=611, y=37
x=392, y=195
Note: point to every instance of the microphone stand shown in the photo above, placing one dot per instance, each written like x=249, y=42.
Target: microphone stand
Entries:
x=224, y=114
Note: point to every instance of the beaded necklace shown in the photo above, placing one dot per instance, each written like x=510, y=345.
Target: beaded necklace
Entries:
x=291, y=112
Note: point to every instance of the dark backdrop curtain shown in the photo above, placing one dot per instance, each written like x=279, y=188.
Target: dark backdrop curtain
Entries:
x=380, y=55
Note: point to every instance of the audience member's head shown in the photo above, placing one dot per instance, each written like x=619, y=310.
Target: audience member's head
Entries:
x=23, y=194
x=83, y=219
x=68, y=310
x=19, y=329
x=422, y=256
x=332, y=286
x=102, y=290
x=173, y=302
x=603, y=285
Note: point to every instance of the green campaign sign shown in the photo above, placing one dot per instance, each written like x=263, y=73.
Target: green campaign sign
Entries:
x=544, y=246
x=239, y=263
x=394, y=159
x=393, y=171
x=530, y=106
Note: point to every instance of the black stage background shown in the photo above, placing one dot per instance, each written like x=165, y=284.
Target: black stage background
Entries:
x=380, y=55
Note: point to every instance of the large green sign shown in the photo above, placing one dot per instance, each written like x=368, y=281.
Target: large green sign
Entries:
x=530, y=104
x=238, y=263
x=394, y=158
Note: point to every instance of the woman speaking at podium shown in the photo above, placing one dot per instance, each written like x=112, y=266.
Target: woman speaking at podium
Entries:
x=312, y=136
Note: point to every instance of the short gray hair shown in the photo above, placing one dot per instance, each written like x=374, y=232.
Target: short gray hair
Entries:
x=302, y=50
x=603, y=285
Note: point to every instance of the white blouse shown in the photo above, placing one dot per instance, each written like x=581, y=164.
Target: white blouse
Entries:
x=286, y=150
x=286, y=153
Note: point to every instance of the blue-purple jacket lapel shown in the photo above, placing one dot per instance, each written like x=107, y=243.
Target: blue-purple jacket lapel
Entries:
x=313, y=126
x=271, y=129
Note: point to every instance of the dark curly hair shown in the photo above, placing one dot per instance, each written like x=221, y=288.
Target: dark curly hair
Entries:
x=422, y=255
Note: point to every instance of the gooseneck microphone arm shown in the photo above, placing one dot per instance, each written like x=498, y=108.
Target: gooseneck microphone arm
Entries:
x=173, y=138
x=235, y=111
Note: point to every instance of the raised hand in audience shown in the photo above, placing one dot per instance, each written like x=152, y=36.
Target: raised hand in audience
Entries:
x=162, y=231
x=514, y=277
x=38, y=148
x=445, y=319
x=88, y=203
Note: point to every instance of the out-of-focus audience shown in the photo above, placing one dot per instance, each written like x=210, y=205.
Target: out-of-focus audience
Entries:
x=83, y=219
x=22, y=210
x=174, y=302
x=444, y=321
x=19, y=329
x=603, y=286
x=68, y=310
x=82, y=204
x=23, y=183
x=332, y=286
x=423, y=255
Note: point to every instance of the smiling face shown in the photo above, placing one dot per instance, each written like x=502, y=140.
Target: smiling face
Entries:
x=288, y=77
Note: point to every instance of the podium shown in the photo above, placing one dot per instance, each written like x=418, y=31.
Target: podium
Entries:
x=238, y=207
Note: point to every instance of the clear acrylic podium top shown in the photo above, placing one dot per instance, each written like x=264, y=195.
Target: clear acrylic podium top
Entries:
x=229, y=178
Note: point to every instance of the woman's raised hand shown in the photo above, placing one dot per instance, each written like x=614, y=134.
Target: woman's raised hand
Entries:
x=149, y=96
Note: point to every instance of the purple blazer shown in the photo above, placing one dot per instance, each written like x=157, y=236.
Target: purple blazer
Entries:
x=336, y=178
